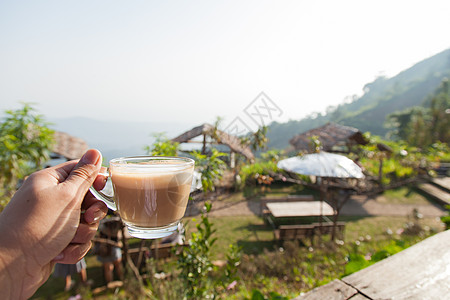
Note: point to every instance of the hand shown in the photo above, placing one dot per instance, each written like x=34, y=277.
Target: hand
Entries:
x=44, y=223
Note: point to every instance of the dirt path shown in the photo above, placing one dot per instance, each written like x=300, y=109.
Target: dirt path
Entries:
x=356, y=206
x=369, y=206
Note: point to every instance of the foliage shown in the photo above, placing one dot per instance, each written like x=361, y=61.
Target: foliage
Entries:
x=211, y=168
x=257, y=140
x=423, y=126
x=233, y=257
x=299, y=265
x=403, y=162
x=214, y=131
x=250, y=173
x=195, y=265
x=257, y=295
x=162, y=146
x=358, y=261
x=272, y=155
x=194, y=261
x=446, y=219
x=315, y=144
x=25, y=143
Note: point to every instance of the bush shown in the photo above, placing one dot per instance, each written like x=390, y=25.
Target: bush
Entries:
x=250, y=173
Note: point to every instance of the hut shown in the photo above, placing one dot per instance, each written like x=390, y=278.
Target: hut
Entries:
x=67, y=147
x=217, y=137
x=333, y=137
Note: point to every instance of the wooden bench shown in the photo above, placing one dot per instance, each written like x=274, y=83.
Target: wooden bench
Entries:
x=293, y=198
x=327, y=228
x=294, y=232
x=297, y=232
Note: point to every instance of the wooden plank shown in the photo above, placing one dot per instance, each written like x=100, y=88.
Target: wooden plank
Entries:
x=443, y=182
x=419, y=272
x=299, y=209
x=335, y=290
x=436, y=192
x=294, y=232
x=290, y=198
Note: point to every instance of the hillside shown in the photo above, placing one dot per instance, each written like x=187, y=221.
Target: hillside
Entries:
x=381, y=97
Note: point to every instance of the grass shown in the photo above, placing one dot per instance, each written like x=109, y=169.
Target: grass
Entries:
x=404, y=195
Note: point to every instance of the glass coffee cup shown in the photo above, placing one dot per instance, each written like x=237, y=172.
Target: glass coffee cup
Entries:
x=150, y=193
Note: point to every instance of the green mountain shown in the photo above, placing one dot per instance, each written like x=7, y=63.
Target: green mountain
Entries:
x=381, y=97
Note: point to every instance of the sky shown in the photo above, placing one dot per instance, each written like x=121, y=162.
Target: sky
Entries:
x=194, y=61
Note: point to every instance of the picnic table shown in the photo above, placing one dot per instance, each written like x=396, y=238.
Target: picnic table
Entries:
x=299, y=209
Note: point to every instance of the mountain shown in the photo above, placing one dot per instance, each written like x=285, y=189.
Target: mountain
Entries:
x=381, y=97
x=116, y=138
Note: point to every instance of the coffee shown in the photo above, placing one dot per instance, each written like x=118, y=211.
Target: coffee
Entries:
x=150, y=193
x=151, y=200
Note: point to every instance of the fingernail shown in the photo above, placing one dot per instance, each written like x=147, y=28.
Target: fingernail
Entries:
x=98, y=215
x=59, y=257
x=91, y=156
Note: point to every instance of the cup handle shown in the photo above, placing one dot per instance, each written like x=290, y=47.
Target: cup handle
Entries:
x=108, y=200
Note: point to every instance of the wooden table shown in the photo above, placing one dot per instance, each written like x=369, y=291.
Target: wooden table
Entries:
x=300, y=209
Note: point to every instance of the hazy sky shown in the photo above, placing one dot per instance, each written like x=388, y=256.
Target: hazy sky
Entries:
x=190, y=61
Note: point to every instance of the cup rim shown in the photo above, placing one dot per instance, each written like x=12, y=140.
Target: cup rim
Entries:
x=136, y=161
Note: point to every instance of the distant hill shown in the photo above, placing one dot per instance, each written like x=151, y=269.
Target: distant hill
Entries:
x=381, y=97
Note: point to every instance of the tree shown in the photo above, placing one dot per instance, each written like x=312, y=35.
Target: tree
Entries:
x=210, y=167
x=440, y=114
x=423, y=126
x=257, y=140
x=25, y=143
x=162, y=146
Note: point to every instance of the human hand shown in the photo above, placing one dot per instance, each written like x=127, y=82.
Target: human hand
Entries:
x=43, y=223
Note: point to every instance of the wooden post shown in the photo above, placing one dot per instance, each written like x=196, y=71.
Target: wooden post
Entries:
x=232, y=159
x=380, y=171
x=204, y=144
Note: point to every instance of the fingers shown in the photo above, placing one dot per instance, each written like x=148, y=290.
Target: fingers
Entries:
x=100, y=180
x=85, y=172
x=95, y=210
x=73, y=253
x=85, y=233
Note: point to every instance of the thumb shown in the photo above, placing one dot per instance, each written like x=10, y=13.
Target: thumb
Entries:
x=84, y=173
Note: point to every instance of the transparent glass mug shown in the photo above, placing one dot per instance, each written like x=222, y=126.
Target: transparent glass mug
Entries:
x=150, y=193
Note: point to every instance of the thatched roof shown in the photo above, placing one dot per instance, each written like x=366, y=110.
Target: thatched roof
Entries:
x=330, y=135
x=233, y=142
x=68, y=146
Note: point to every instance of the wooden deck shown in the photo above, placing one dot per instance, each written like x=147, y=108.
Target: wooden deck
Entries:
x=438, y=193
x=442, y=182
x=419, y=272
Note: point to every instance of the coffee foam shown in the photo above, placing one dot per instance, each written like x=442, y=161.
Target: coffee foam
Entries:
x=140, y=178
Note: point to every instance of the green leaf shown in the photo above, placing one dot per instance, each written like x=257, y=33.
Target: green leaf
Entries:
x=257, y=295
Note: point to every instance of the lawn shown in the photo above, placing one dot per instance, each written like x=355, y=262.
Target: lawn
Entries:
x=404, y=195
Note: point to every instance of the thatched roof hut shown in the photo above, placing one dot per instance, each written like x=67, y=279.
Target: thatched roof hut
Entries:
x=68, y=147
x=223, y=138
x=334, y=138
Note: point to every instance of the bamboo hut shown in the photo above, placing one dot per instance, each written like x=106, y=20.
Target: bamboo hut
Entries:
x=68, y=147
x=333, y=137
x=217, y=137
